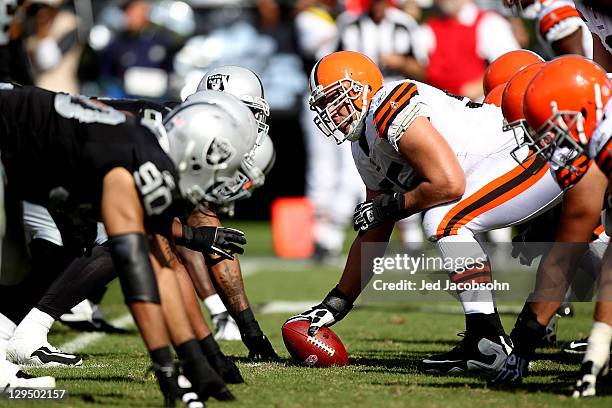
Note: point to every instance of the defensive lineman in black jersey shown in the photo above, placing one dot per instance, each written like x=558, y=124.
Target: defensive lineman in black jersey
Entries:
x=92, y=161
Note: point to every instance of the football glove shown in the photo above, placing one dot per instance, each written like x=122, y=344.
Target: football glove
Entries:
x=525, y=251
x=214, y=240
x=330, y=311
x=513, y=371
x=385, y=207
x=587, y=379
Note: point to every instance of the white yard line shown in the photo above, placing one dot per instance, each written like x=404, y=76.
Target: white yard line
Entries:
x=86, y=339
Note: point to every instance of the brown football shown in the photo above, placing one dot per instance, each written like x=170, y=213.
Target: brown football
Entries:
x=321, y=350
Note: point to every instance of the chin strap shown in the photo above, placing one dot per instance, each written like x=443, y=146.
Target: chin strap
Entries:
x=356, y=127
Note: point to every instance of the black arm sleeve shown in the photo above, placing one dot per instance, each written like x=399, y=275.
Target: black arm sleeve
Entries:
x=130, y=254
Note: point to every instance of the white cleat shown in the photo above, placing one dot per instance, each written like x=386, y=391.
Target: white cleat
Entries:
x=225, y=327
x=40, y=354
x=11, y=376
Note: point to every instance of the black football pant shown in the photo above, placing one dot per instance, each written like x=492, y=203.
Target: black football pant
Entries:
x=57, y=281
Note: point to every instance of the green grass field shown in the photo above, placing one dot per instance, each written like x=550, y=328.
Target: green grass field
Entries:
x=385, y=343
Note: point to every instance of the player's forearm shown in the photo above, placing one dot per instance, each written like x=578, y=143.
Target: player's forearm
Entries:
x=365, y=248
x=571, y=44
x=429, y=194
x=198, y=271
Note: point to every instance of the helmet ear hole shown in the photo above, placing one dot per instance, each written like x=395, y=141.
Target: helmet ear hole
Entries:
x=583, y=111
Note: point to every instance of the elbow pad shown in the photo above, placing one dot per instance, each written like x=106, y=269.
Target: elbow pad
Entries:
x=130, y=254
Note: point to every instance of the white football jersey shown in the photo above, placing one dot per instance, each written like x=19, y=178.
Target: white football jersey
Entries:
x=471, y=129
x=557, y=19
x=598, y=23
x=600, y=143
x=38, y=224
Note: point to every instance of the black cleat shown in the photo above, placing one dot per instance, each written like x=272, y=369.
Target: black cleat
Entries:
x=167, y=377
x=205, y=380
x=260, y=348
x=576, y=346
x=226, y=368
x=472, y=353
x=566, y=310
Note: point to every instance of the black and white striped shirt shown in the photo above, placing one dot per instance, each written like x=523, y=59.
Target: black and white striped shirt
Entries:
x=393, y=35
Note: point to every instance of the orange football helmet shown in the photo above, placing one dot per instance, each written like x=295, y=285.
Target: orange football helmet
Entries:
x=504, y=67
x=341, y=87
x=564, y=103
x=512, y=108
x=495, y=96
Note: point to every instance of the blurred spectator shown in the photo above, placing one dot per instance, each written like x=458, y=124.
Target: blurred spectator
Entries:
x=460, y=43
x=516, y=21
x=138, y=59
x=54, y=46
x=386, y=35
x=332, y=182
x=412, y=8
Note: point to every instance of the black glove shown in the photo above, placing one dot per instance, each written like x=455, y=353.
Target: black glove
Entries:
x=525, y=251
x=260, y=348
x=330, y=311
x=383, y=208
x=215, y=240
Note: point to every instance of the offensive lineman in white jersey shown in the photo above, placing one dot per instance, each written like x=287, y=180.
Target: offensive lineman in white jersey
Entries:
x=419, y=149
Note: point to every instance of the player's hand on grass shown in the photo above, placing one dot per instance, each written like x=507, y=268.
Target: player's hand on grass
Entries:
x=213, y=240
x=512, y=372
x=587, y=379
x=330, y=311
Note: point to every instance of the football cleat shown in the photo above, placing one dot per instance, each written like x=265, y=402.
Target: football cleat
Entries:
x=576, y=346
x=260, y=349
x=512, y=372
x=173, y=389
x=45, y=355
x=205, y=380
x=472, y=353
x=550, y=336
x=566, y=310
x=12, y=376
x=225, y=327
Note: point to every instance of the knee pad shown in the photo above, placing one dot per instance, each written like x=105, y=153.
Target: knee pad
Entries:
x=130, y=254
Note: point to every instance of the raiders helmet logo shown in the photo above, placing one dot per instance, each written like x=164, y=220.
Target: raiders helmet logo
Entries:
x=219, y=153
x=217, y=82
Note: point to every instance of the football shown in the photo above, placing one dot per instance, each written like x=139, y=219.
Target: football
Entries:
x=321, y=350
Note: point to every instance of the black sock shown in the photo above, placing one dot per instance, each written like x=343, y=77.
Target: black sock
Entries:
x=209, y=346
x=485, y=325
x=247, y=324
x=189, y=350
x=161, y=356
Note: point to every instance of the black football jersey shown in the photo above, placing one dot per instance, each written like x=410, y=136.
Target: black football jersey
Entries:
x=51, y=140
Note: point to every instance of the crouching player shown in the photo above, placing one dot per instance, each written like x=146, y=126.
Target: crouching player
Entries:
x=102, y=164
x=569, y=106
x=419, y=149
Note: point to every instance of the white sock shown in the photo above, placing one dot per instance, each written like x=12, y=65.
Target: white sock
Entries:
x=214, y=304
x=36, y=324
x=598, y=350
x=7, y=328
x=459, y=248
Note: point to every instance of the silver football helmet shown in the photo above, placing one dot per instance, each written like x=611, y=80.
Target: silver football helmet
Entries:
x=243, y=84
x=256, y=167
x=210, y=135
